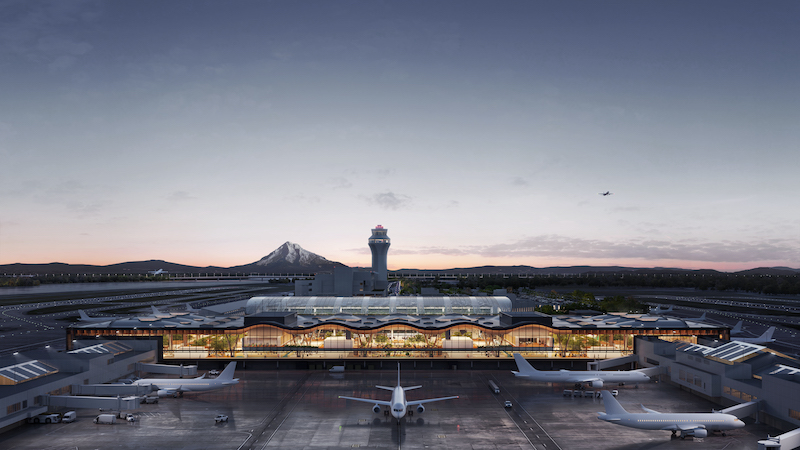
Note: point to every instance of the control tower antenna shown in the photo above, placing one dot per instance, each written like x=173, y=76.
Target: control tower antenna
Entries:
x=379, y=245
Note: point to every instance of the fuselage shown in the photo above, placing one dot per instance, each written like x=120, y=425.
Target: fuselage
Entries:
x=399, y=405
x=585, y=376
x=672, y=421
x=186, y=385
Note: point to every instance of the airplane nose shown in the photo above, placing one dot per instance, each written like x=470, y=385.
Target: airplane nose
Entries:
x=739, y=423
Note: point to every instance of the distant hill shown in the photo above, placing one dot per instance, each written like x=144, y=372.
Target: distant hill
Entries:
x=288, y=258
x=292, y=258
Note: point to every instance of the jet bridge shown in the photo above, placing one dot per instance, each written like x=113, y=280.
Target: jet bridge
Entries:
x=742, y=410
x=189, y=371
x=109, y=403
x=113, y=390
x=786, y=441
x=613, y=362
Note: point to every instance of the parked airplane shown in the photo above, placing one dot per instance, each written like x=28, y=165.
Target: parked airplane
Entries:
x=689, y=424
x=594, y=377
x=702, y=318
x=177, y=386
x=399, y=405
x=85, y=317
x=658, y=310
x=737, y=329
x=765, y=338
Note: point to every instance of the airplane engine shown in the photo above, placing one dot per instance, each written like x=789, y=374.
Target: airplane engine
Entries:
x=164, y=393
x=420, y=409
x=597, y=383
x=700, y=432
x=376, y=409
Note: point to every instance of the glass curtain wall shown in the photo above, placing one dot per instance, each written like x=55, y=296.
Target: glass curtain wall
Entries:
x=396, y=340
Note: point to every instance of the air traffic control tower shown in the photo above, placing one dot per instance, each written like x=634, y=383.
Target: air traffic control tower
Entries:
x=379, y=244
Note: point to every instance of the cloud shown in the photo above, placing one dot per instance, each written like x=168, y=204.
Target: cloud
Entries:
x=42, y=34
x=389, y=200
x=519, y=182
x=180, y=196
x=555, y=246
x=340, y=183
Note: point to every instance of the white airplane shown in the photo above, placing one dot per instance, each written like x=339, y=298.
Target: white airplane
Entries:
x=157, y=272
x=765, y=338
x=594, y=377
x=689, y=424
x=399, y=405
x=177, y=386
x=85, y=317
x=702, y=318
x=737, y=329
x=658, y=310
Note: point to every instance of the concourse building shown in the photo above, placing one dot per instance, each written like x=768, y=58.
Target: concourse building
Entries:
x=370, y=329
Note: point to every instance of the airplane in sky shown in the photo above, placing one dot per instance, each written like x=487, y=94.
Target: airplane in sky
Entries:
x=398, y=404
x=594, y=377
x=177, y=386
x=606, y=193
x=688, y=424
x=765, y=338
x=85, y=317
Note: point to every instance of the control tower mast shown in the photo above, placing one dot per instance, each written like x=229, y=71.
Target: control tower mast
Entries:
x=379, y=245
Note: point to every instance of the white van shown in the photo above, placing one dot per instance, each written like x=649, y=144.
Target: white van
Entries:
x=69, y=416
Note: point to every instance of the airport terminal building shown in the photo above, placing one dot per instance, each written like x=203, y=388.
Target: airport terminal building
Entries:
x=373, y=328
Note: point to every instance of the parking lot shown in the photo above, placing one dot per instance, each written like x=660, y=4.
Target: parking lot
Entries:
x=302, y=409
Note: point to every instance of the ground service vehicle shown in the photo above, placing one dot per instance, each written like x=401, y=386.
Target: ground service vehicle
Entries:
x=494, y=387
x=69, y=416
x=221, y=418
x=149, y=399
x=507, y=404
x=45, y=418
x=106, y=419
x=130, y=418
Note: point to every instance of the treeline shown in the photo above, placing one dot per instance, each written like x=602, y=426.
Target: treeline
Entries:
x=762, y=284
x=88, y=278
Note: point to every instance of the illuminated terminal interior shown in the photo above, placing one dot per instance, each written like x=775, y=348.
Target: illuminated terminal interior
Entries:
x=379, y=327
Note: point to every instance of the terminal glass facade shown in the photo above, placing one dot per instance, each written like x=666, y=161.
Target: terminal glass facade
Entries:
x=398, y=339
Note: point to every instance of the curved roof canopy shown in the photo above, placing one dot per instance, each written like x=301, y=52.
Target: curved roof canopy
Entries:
x=413, y=305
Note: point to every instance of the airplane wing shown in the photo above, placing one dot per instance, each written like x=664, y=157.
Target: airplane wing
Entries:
x=368, y=400
x=683, y=427
x=411, y=387
x=579, y=379
x=647, y=410
x=386, y=388
x=419, y=402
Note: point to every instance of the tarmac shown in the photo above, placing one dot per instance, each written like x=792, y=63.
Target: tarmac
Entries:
x=302, y=410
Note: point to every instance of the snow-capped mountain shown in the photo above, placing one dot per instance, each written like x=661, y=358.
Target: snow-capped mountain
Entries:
x=291, y=257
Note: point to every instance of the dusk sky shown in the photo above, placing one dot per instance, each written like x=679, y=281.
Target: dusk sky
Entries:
x=478, y=133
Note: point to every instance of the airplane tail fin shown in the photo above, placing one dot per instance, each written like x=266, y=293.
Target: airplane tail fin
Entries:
x=702, y=318
x=612, y=405
x=523, y=365
x=155, y=311
x=84, y=316
x=227, y=374
x=737, y=328
x=768, y=334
